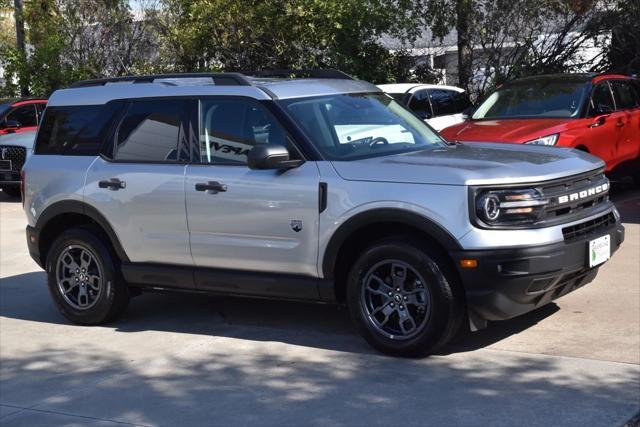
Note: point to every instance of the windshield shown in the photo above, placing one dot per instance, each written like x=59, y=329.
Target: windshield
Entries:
x=356, y=126
x=537, y=98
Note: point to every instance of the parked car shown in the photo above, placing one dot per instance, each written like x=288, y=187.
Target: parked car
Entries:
x=20, y=115
x=440, y=106
x=14, y=150
x=599, y=114
x=244, y=186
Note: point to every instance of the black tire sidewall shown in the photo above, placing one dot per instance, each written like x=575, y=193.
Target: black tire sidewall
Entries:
x=114, y=292
x=437, y=281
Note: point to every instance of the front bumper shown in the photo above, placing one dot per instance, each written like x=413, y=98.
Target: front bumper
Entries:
x=510, y=282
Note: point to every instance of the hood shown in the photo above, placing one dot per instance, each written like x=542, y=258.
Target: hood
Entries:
x=506, y=130
x=22, y=139
x=472, y=164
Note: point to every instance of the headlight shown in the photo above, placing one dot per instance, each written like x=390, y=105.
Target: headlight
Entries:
x=509, y=207
x=545, y=140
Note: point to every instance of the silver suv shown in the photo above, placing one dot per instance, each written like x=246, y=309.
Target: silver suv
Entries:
x=316, y=188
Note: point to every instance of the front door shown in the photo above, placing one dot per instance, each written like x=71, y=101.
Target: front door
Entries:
x=243, y=219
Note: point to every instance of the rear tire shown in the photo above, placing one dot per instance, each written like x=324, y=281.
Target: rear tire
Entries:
x=84, y=279
x=12, y=191
x=404, y=298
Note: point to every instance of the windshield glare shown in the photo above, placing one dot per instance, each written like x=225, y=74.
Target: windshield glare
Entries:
x=355, y=126
x=540, y=99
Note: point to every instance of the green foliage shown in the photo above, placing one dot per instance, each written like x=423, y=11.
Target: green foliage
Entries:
x=259, y=34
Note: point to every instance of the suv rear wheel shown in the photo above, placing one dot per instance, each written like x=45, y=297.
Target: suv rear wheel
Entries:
x=402, y=297
x=83, y=278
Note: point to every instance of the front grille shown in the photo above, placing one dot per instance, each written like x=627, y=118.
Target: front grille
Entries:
x=583, y=229
x=573, y=197
x=17, y=156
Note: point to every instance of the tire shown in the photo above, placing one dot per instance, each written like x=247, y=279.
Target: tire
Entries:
x=12, y=191
x=425, y=281
x=99, y=294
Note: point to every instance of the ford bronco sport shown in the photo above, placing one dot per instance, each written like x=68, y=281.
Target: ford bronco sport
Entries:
x=312, y=188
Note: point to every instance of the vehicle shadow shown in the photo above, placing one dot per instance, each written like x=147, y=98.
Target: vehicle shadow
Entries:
x=626, y=197
x=5, y=198
x=326, y=326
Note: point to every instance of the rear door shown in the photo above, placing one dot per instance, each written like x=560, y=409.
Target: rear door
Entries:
x=628, y=105
x=253, y=220
x=138, y=184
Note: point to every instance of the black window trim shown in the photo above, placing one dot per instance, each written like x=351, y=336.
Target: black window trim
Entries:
x=413, y=94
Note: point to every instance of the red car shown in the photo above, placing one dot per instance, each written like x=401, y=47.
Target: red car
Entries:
x=599, y=114
x=20, y=115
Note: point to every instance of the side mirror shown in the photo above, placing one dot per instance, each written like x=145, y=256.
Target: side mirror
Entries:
x=11, y=124
x=270, y=156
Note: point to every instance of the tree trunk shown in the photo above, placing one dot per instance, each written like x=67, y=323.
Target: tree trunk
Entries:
x=19, y=17
x=464, y=9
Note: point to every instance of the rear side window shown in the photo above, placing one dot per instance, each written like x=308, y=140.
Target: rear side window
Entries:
x=75, y=130
x=462, y=101
x=443, y=102
x=420, y=104
x=150, y=130
x=625, y=95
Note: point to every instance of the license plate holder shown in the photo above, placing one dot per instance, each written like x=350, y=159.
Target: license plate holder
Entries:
x=5, y=165
x=599, y=250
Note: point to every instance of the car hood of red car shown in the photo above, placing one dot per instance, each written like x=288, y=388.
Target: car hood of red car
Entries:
x=504, y=130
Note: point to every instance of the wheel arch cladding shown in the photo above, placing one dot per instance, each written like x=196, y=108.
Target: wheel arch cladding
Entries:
x=365, y=228
x=67, y=214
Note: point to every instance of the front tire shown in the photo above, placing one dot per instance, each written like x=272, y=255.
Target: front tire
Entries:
x=83, y=278
x=403, y=298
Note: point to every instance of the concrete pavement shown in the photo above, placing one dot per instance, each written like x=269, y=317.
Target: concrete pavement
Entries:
x=177, y=359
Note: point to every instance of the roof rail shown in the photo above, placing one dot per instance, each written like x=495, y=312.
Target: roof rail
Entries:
x=315, y=73
x=220, y=79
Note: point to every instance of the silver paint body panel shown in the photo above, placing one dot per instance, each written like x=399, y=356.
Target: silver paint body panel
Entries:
x=160, y=218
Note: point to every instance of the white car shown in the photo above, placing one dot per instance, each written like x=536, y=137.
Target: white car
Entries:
x=440, y=106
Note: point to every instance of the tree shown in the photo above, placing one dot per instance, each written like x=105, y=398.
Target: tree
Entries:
x=257, y=34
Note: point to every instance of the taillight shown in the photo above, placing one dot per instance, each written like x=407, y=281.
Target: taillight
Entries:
x=22, y=179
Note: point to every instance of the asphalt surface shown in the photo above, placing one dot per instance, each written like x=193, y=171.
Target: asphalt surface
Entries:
x=177, y=359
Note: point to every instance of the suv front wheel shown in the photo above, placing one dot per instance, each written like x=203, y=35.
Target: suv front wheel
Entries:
x=403, y=298
x=83, y=278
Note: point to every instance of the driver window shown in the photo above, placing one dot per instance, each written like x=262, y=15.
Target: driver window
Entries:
x=25, y=115
x=601, y=100
x=229, y=128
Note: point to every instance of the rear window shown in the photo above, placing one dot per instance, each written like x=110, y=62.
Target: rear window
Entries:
x=75, y=130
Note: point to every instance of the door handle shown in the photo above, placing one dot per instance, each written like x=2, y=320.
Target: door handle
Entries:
x=213, y=186
x=619, y=124
x=112, y=184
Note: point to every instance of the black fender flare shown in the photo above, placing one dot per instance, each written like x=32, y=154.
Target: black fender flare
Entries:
x=401, y=216
x=75, y=206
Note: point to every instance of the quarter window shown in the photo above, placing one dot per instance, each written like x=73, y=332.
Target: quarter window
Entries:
x=75, y=130
x=150, y=131
x=229, y=128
